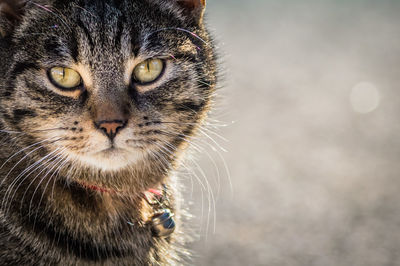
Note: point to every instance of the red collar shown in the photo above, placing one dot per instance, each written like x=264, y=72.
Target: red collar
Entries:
x=162, y=222
x=99, y=189
x=150, y=195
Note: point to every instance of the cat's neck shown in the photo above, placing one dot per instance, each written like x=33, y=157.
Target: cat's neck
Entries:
x=41, y=207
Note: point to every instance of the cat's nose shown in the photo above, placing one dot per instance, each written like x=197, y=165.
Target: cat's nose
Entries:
x=111, y=128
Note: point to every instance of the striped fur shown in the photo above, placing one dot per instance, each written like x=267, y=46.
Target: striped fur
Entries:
x=51, y=146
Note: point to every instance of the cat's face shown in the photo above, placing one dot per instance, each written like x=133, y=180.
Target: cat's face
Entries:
x=108, y=84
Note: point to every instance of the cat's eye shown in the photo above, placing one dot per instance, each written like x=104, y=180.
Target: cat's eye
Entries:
x=65, y=78
x=148, y=71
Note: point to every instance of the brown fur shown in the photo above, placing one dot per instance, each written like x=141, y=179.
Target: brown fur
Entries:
x=56, y=143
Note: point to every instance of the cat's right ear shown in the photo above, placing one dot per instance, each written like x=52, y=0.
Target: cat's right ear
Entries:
x=193, y=8
x=11, y=12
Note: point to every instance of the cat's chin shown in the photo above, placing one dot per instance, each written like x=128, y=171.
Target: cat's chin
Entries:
x=109, y=160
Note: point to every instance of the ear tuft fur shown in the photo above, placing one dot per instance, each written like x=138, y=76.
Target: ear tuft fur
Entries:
x=194, y=8
x=11, y=12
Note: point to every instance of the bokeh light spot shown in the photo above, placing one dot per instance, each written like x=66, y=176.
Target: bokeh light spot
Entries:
x=365, y=97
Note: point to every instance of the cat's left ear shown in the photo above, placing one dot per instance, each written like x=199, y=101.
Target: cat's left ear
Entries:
x=11, y=12
x=193, y=8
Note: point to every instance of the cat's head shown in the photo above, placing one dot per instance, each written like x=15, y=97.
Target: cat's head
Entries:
x=106, y=84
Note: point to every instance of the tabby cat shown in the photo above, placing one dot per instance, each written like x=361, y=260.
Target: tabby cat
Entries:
x=99, y=99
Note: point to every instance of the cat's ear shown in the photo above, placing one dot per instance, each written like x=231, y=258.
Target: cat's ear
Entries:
x=193, y=8
x=11, y=12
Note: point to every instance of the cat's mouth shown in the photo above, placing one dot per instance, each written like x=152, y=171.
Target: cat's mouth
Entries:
x=109, y=159
x=112, y=150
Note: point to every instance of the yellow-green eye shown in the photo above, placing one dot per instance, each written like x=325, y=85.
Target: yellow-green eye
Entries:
x=65, y=78
x=148, y=71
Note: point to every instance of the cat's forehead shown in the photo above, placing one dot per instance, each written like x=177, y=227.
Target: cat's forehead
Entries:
x=102, y=30
x=109, y=16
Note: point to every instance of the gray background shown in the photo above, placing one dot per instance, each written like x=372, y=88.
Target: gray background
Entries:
x=315, y=178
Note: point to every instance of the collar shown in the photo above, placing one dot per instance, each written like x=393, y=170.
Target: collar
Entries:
x=162, y=223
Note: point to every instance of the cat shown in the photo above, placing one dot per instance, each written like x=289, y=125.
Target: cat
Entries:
x=98, y=102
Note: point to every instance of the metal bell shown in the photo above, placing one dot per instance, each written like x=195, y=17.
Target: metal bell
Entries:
x=163, y=224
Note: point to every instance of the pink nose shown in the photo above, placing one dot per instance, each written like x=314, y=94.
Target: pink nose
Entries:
x=111, y=128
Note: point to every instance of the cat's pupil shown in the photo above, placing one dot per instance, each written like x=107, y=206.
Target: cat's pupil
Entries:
x=148, y=70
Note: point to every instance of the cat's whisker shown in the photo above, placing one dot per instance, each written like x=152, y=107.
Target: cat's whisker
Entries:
x=83, y=9
x=31, y=169
x=7, y=140
x=186, y=139
x=206, y=124
x=224, y=163
x=204, y=83
x=10, y=187
x=7, y=198
x=167, y=152
x=202, y=129
x=182, y=30
x=199, y=149
x=20, y=178
x=14, y=182
x=207, y=187
x=24, y=149
x=49, y=161
x=66, y=160
x=188, y=174
x=212, y=208
x=213, y=141
x=59, y=160
x=172, y=56
x=216, y=123
x=11, y=132
x=49, y=129
x=203, y=189
x=165, y=163
x=23, y=158
x=162, y=160
x=211, y=198
x=51, y=12
x=54, y=163
x=212, y=159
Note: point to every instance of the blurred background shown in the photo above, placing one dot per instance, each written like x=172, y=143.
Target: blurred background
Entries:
x=310, y=108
